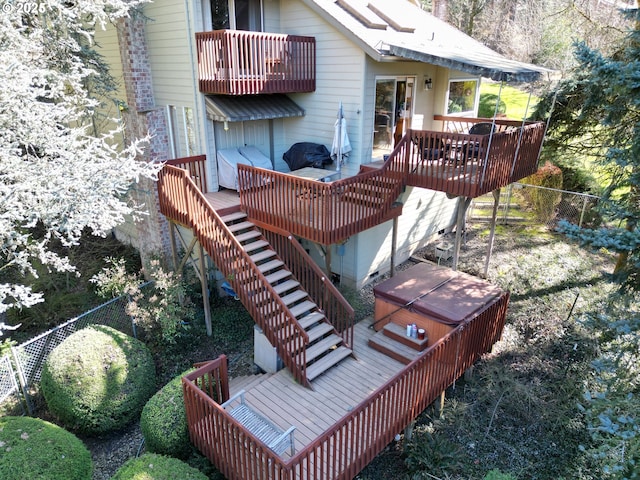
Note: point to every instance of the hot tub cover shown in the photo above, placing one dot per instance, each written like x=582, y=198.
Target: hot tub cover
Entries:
x=439, y=293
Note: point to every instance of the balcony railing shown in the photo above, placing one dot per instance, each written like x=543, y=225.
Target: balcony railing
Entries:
x=236, y=62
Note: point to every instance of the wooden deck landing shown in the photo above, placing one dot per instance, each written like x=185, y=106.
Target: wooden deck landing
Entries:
x=334, y=394
x=223, y=199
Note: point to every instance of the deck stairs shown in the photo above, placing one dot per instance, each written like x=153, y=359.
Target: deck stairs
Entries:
x=393, y=341
x=325, y=348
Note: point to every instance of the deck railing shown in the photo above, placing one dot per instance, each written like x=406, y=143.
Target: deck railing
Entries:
x=454, y=163
x=325, y=213
x=473, y=165
x=456, y=124
x=237, y=62
x=315, y=282
x=181, y=200
x=346, y=448
x=197, y=168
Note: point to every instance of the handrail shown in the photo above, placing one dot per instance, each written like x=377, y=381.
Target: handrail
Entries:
x=180, y=199
x=456, y=124
x=350, y=444
x=238, y=62
x=326, y=213
x=314, y=281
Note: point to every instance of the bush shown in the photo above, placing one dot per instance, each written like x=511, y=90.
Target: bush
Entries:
x=543, y=201
x=151, y=466
x=163, y=310
x=487, y=106
x=164, y=422
x=498, y=475
x=98, y=380
x=34, y=449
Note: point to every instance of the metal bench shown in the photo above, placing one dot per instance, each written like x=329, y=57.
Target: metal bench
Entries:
x=276, y=439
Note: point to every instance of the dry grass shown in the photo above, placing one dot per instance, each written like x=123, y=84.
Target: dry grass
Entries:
x=518, y=412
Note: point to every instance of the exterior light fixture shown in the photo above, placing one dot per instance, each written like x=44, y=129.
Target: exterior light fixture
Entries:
x=428, y=83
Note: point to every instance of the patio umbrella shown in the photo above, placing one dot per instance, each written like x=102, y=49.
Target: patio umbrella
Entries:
x=341, y=146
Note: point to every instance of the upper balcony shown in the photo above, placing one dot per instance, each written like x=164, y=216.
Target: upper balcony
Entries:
x=238, y=62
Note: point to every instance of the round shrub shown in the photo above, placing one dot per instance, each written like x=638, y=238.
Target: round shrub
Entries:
x=98, y=380
x=164, y=421
x=151, y=466
x=34, y=449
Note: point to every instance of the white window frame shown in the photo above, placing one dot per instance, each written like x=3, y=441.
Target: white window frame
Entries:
x=476, y=101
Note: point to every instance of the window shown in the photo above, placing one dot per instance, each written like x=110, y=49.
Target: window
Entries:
x=235, y=14
x=462, y=96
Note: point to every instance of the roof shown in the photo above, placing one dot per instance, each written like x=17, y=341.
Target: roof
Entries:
x=232, y=108
x=392, y=30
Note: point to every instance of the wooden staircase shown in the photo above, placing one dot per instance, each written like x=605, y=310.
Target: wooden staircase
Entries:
x=325, y=347
x=393, y=341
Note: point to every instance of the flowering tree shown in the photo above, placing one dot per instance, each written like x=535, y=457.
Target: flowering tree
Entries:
x=56, y=178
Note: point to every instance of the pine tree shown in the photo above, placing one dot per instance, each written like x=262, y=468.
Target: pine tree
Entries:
x=597, y=113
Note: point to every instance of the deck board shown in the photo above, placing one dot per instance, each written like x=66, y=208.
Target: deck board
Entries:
x=334, y=394
x=223, y=199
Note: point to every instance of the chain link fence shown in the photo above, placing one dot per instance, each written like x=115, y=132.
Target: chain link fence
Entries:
x=26, y=360
x=522, y=203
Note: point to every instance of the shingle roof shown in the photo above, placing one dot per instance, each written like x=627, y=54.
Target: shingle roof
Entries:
x=398, y=29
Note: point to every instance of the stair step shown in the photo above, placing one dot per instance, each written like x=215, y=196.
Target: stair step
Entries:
x=250, y=247
x=323, y=346
x=272, y=265
x=243, y=237
x=263, y=255
x=294, y=297
x=280, y=288
x=308, y=320
x=236, y=227
x=325, y=363
x=319, y=331
x=277, y=276
x=399, y=334
x=302, y=308
x=392, y=348
x=316, y=332
x=232, y=217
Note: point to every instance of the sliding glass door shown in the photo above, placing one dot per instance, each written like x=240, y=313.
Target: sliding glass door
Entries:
x=392, y=114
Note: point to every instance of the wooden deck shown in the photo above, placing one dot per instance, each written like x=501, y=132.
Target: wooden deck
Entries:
x=334, y=394
x=223, y=199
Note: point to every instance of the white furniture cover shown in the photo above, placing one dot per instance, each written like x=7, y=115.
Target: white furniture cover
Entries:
x=256, y=157
x=230, y=158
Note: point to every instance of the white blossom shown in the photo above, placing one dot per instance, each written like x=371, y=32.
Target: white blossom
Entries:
x=53, y=172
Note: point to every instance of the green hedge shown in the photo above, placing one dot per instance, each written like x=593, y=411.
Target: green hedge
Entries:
x=164, y=422
x=98, y=380
x=33, y=449
x=151, y=466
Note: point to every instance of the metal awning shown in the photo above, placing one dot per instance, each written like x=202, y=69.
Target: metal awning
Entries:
x=231, y=108
x=481, y=62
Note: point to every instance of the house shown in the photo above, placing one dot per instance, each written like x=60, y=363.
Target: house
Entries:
x=391, y=68
x=213, y=79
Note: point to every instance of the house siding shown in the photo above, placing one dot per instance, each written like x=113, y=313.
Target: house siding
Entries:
x=339, y=78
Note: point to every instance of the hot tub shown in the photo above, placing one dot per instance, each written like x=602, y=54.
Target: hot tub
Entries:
x=435, y=298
